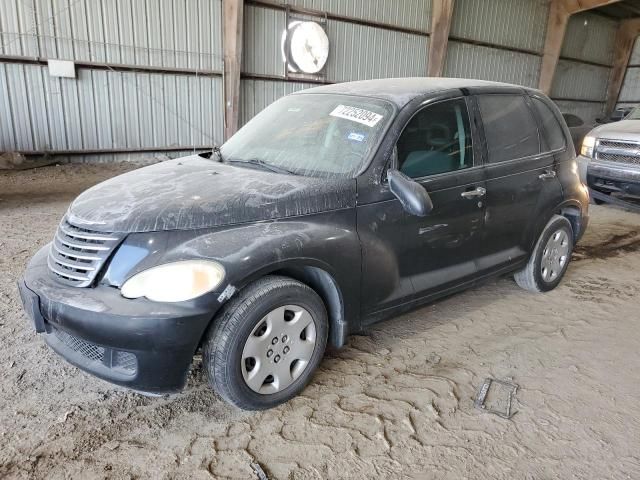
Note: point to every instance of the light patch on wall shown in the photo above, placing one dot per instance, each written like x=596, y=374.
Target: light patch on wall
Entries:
x=62, y=68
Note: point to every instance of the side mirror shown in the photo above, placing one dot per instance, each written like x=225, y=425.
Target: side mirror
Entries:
x=413, y=197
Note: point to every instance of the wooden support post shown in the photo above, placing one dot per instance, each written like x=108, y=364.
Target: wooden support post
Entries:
x=559, y=13
x=626, y=36
x=232, y=23
x=441, y=13
x=556, y=27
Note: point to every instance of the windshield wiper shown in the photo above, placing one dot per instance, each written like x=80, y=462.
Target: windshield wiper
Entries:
x=261, y=163
x=215, y=150
x=218, y=152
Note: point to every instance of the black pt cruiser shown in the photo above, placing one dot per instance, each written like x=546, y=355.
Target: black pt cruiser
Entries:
x=332, y=209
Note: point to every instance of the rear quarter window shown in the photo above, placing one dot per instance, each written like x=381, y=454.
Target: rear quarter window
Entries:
x=509, y=127
x=551, y=128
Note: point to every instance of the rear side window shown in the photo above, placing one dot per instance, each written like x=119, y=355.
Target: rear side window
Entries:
x=509, y=127
x=550, y=125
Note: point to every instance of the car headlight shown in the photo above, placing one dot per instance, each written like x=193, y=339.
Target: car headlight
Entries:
x=175, y=282
x=588, y=145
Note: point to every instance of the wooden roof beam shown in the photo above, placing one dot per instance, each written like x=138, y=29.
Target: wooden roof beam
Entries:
x=559, y=13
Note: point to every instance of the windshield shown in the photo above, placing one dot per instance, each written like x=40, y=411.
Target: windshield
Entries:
x=634, y=114
x=330, y=136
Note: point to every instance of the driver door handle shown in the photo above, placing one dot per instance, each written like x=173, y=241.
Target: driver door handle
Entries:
x=547, y=174
x=477, y=192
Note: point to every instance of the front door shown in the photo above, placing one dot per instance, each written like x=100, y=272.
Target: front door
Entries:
x=406, y=257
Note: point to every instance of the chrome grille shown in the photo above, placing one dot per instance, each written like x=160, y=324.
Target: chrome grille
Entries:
x=617, y=144
x=77, y=254
x=618, y=151
x=609, y=157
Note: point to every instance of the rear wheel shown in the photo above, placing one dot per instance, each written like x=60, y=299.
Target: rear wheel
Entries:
x=264, y=347
x=550, y=257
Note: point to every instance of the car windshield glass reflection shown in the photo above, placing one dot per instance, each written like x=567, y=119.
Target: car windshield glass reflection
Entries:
x=331, y=136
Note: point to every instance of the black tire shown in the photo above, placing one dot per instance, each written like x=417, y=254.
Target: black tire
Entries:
x=224, y=343
x=530, y=277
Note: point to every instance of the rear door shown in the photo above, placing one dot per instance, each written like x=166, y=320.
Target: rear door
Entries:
x=521, y=178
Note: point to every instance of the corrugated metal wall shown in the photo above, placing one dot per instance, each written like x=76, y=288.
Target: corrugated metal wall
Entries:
x=355, y=52
x=581, y=78
x=413, y=14
x=164, y=105
x=518, y=24
x=174, y=99
x=486, y=63
x=486, y=24
x=630, y=92
x=103, y=109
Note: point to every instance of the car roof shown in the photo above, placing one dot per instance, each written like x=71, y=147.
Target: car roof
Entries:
x=402, y=90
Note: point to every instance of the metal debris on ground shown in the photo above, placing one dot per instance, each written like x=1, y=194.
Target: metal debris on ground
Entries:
x=259, y=471
x=496, y=396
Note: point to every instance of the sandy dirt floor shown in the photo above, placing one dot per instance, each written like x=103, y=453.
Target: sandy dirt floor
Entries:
x=397, y=402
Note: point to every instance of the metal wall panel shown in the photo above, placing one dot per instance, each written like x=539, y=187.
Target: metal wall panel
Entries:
x=510, y=23
x=355, y=50
x=255, y=95
x=580, y=81
x=261, y=52
x=159, y=33
x=635, y=54
x=358, y=52
x=587, y=111
x=103, y=109
x=590, y=37
x=630, y=91
x=484, y=63
x=413, y=14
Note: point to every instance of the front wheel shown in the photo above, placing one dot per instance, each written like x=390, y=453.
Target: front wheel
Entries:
x=550, y=257
x=264, y=347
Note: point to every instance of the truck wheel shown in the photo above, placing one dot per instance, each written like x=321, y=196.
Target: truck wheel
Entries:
x=550, y=257
x=265, y=345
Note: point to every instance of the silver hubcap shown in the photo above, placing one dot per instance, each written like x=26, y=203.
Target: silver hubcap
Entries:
x=278, y=349
x=555, y=255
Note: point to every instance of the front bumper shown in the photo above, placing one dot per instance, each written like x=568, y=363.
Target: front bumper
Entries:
x=143, y=345
x=613, y=177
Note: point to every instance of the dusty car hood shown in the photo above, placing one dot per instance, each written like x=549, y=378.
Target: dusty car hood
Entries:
x=194, y=192
x=623, y=130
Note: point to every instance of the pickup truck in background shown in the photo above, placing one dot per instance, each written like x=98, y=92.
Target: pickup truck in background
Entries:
x=610, y=157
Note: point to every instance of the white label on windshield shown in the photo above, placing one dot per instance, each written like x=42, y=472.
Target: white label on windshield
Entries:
x=365, y=117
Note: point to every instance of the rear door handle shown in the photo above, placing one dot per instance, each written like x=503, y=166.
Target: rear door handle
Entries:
x=477, y=192
x=547, y=174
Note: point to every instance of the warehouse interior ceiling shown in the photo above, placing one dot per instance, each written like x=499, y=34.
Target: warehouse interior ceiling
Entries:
x=621, y=10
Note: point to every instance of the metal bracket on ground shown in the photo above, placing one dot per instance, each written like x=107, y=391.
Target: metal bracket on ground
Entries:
x=488, y=388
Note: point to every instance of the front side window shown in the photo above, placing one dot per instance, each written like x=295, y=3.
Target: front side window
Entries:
x=436, y=140
x=509, y=127
x=320, y=135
